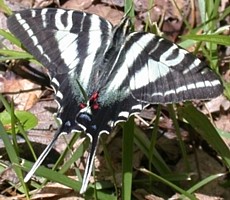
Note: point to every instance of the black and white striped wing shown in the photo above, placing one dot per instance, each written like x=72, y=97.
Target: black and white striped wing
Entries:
x=63, y=40
x=161, y=72
x=71, y=44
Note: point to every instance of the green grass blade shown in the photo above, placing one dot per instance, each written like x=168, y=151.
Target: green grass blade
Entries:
x=166, y=182
x=19, y=125
x=109, y=164
x=53, y=176
x=202, y=10
x=5, y=8
x=13, y=157
x=144, y=144
x=73, y=157
x=10, y=37
x=225, y=13
x=154, y=135
x=217, y=39
x=16, y=54
x=204, y=127
x=204, y=182
x=129, y=8
x=127, y=158
x=65, y=180
x=179, y=137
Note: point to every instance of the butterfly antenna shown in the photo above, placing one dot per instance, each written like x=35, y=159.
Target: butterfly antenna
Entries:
x=41, y=157
x=90, y=161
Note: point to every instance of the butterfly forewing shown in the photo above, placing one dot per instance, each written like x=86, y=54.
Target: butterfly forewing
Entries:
x=60, y=39
x=67, y=42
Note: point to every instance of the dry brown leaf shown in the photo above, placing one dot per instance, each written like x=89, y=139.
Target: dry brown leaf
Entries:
x=214, y=105
x=57, y=191
x=14, y=88
x=78, y=4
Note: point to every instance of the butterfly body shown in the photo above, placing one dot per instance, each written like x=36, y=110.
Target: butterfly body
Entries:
x=101, y=74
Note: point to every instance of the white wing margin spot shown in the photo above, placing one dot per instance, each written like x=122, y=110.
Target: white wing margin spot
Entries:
x=31, y=35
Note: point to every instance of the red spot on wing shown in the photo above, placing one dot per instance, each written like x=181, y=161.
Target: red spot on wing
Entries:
x=93, y=101
x=82, y=105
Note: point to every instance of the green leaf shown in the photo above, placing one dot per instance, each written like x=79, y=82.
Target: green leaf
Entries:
x=27, y=119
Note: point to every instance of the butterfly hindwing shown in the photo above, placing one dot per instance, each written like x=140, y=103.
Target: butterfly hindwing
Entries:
x=161, y=72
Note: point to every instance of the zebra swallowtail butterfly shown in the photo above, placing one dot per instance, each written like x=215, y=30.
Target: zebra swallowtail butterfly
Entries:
x=120, y=71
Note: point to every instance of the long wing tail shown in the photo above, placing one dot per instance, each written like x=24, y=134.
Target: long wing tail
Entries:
x=90, y=161
x=42, y=157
